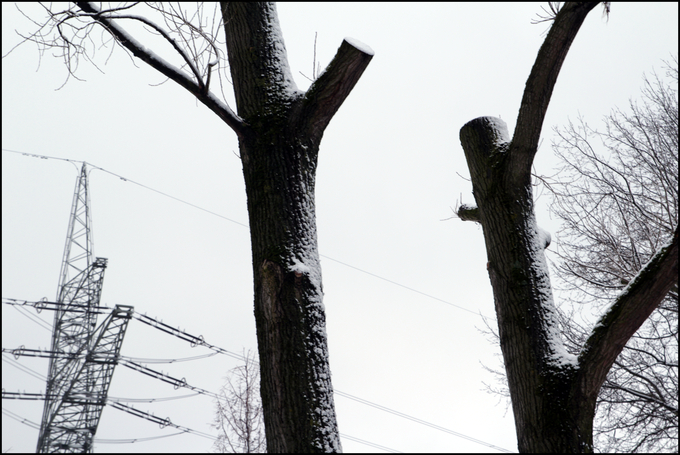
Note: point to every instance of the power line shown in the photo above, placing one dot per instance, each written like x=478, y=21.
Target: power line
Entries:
x=130, y=410
x=41, y=396
x=405, y=287
x=176, y=383
x=245, y=225
x=18, y=418
x=152, y=400
x=185, y=359
x=198, y=340
x=193, y=340
x=420, y=421
x=44, y=324
x=154, y=419
x=23, y=368
x=133, y=440
x=23, y=396
x=161, y=422
x=367, y=443
x=45, y=157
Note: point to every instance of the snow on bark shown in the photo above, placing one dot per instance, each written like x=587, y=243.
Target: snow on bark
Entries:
x=280, y=57
x=539, y=240
x=303, y=260
x=500, y=128
x=365, y=48
x=304, y=256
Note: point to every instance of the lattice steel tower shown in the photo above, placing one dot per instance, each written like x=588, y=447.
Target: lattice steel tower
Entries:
x=83, y=355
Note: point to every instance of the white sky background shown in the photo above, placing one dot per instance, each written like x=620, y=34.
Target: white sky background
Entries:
x=387, y=177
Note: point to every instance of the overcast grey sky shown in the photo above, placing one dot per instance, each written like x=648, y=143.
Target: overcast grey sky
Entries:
x=390, y=168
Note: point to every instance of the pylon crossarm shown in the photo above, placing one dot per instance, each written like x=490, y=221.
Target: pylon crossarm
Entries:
x=85, y=404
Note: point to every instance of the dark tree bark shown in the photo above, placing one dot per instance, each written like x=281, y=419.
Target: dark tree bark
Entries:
x=279, y=130
x=279, y=148
x=553, y=393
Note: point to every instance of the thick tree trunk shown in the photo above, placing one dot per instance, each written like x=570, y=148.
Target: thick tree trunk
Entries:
x=296, y=386
x=539, y=371
x=279, y=148
x=553, y=393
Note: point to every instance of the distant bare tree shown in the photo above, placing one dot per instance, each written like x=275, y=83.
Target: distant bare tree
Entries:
x=617, y=196
x=238, y=416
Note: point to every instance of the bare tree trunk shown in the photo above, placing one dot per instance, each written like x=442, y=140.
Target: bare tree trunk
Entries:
x=279, y=151
x=538, y=379
x=553, y=393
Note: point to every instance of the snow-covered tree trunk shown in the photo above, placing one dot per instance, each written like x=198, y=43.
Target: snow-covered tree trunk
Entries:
x=535, y=359
x=553, y=393
x=279, y=147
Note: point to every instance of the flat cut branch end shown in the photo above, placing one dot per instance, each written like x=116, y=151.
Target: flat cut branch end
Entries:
x=359, y=46
x=494, y=126
x=468, y=213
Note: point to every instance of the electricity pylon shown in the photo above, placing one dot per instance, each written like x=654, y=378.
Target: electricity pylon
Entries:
x=84, y=355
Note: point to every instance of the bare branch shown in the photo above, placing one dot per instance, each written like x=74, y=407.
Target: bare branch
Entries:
x=331, y=88
x=164, y=67
x=626, y=315
x=541, y=81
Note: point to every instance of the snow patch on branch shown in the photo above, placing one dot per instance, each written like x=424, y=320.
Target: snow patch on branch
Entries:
x=365, y=48
x=155, y=60
x=544, y=237
x=558, y=356
x=631, y=283
x=501, y=128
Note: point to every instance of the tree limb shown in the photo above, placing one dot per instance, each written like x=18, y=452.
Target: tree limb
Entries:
x=198, y=89
x=468, y=213
x=331, y=88
x=633, y=306
x=644, y=396
x=541, y=81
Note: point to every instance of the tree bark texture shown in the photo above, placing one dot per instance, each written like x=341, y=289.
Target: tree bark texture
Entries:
x=279, y=148
x=553, y=393
x=527, y=326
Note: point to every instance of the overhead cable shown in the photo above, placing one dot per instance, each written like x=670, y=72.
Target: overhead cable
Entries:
x=199, y=341
x=245, y=225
